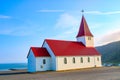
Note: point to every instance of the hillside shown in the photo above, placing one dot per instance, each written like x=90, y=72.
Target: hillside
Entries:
x=110, y=52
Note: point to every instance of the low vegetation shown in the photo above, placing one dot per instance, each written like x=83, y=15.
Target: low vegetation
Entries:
x=110, y=53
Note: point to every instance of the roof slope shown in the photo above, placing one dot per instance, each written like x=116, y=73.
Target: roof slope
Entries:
x=70, y=48
x=39, y=52
x=84, y=29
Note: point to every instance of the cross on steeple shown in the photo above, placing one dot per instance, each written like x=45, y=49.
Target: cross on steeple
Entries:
x=82, y=11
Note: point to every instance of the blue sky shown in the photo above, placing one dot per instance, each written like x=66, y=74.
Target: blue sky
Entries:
x=26, y=23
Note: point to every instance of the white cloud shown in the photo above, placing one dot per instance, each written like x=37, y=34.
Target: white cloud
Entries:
x=66, y=35
x=95, y=25
x=66, y=20
x=108, y=38
x=107, y=32
x=102, y=13
x=50, y=11
x=4, y=17
x=69, y=25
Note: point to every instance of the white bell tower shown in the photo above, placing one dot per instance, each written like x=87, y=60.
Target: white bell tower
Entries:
x=84, y=35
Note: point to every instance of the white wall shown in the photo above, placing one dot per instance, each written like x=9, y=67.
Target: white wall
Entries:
x=31, y=62
x=98, y=63
x=43, y=67
x=89, y=43
x=53, y=58
x=85, y=41
x=77, y=65
x=34, y=64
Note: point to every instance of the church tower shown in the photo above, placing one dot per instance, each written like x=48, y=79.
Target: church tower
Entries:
x=84, y=35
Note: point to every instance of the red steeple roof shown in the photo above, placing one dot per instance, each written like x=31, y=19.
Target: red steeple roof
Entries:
x=84, y=29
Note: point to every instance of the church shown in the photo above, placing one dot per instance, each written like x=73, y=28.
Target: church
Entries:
x=57, y=55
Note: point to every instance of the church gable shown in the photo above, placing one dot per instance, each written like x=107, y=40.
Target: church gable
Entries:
x=39, y=52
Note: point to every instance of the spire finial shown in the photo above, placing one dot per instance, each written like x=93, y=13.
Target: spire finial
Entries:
x=82, y=11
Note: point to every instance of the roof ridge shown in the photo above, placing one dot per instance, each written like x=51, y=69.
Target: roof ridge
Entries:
x=34, y=47
x=60, y=40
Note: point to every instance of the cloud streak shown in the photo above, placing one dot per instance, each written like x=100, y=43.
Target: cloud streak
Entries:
x=102, y=13
x=86, y=12
x=4, y=17
x=50, y=10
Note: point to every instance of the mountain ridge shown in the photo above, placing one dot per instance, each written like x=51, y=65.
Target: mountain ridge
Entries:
x=110, y=52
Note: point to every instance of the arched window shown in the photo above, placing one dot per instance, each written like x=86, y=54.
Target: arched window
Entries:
x=88, y=59
x=65, y=60
x=73, y=60
x=97, y=58
x=44, y=61
x=81, y=60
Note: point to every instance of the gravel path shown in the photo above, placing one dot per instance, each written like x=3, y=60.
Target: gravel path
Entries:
x=104, y=73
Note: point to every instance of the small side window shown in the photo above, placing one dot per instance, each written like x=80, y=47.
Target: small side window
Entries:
x=97, y=58
x=65, y=60
x=73, y=60
x=88, y=59
x=44, y=61
x=81, y=60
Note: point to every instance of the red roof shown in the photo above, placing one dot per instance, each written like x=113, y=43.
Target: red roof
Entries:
x=70, y=48
x=84, y=29
x=39, y=52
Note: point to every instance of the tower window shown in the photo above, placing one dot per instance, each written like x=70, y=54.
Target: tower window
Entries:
x=89, y=38
x=44, y=61
x=73, y=60
x=81, y=60
x=65, y=60
x=88, y=59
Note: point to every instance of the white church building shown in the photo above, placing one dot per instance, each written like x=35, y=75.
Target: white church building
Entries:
x=59, y=55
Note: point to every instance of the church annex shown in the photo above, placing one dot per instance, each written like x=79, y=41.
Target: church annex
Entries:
x=65, y=55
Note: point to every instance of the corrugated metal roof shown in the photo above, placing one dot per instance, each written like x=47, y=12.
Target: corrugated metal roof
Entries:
x=39, y=51
x=70, y=48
